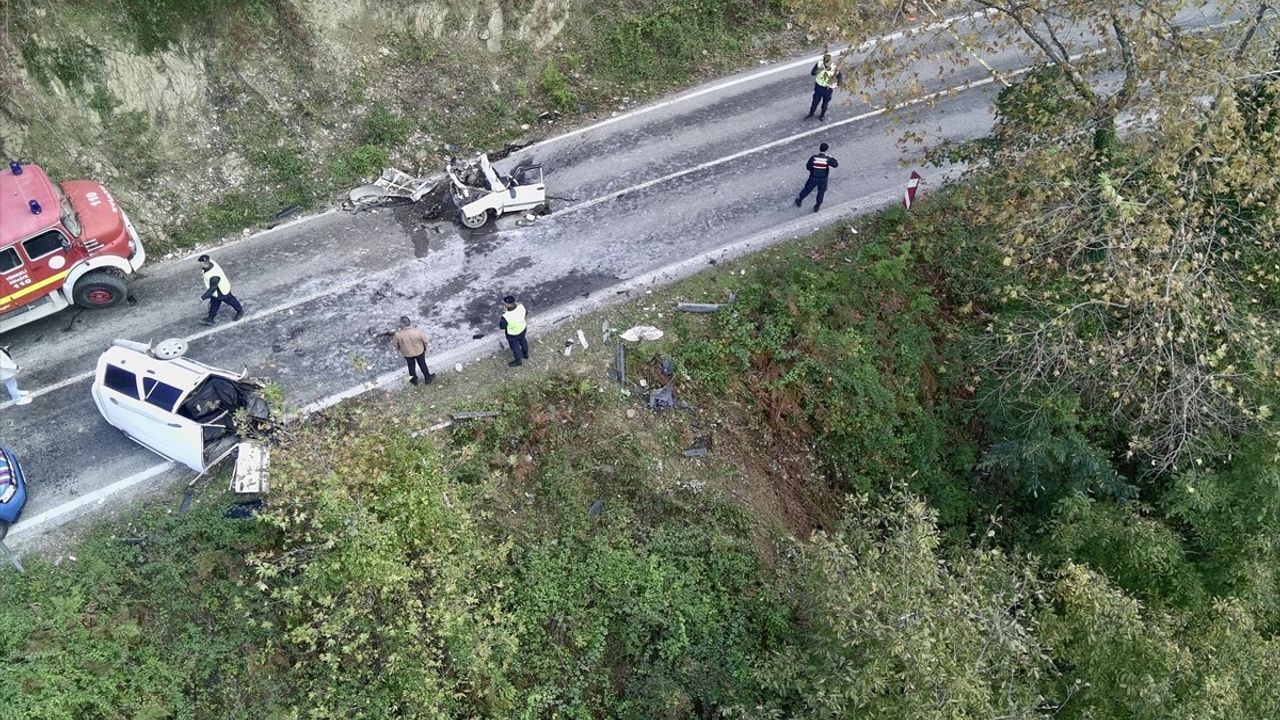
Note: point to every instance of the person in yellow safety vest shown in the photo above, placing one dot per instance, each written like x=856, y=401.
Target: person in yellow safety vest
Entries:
x=513, y=322
x=217, y=290
x=826, y=77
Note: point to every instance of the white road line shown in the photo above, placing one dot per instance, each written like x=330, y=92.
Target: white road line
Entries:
x=862, y=47
x=544, y=324
x=826, y=127
x=30, y=525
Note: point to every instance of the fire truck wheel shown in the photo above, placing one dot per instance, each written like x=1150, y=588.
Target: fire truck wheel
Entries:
x=99, y=290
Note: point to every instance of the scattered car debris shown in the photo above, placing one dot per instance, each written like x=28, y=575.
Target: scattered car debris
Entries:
x=605, y=331
x=582, y=340
x=250, y=474
x=701, y=447
x=668, y=367
x=393, y=186
x=698, y=307
x=642, y=332
x=284, y=214
x=662, y=398
x=596, y=508
x=472, y=415
x=244, y=510
x=619, y=371
x=568, y=347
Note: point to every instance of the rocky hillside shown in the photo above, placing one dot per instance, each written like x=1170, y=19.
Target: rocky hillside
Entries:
x=210, y=116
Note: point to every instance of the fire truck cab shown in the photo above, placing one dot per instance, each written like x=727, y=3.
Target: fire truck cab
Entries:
x=60, y=245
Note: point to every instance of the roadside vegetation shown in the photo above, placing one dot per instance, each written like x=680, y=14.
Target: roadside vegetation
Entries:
x=877, y=531
x=1010, y=454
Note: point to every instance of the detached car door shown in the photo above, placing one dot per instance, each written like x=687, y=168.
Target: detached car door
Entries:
x=142, y=407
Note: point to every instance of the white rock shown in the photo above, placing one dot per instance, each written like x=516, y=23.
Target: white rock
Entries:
x=457, y=367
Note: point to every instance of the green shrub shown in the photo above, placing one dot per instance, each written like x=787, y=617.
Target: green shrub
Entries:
x=363, y=163
x=556, y=87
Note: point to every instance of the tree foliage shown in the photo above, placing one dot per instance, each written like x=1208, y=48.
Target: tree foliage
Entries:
x=1140, y=274
x=893, y=625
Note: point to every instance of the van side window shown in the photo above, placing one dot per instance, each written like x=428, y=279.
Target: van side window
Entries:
x=160, y=394
x=43, y=244
x=122, y=381
x=9, y=260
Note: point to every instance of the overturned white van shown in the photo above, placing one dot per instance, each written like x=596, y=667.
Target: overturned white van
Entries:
x=176, y=407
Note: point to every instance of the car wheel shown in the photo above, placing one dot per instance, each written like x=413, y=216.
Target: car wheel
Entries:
x=99, y=290
x=4, y=529
x=476, y=222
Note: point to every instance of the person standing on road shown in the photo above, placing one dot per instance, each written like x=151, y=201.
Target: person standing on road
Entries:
x=412, y=344
x=513, y=322
x=819, y=167
x=9, y=376
x=217, y=290
x=826, y=77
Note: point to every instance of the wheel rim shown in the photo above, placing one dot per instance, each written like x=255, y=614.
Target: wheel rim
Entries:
x=100, y=297
x=475, y=221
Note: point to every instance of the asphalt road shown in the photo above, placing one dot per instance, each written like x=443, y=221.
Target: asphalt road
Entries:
x=714, y=168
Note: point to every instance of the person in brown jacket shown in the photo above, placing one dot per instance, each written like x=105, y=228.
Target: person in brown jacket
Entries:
x=412, y=344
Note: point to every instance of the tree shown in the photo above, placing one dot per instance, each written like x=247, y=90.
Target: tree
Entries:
x=1137, y=275
x=892, y=625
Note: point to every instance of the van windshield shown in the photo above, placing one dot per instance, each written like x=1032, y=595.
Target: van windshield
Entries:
x=70, y=219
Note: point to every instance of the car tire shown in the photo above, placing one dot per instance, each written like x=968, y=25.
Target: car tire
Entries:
x=477, y=221
x=4, y=529
x=99, y=290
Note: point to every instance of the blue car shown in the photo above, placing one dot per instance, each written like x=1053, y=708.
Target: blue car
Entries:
x=13, y=490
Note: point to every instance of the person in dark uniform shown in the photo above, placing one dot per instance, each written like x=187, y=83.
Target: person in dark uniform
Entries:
x=217, y=290
x=826, y=77
x=819, y=167
x=513, y=324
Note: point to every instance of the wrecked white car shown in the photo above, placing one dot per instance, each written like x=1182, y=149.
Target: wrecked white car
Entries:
x=176, y=407
x=482, y=193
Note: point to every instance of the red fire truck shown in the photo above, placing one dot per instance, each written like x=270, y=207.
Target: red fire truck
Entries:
x=60, y=245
